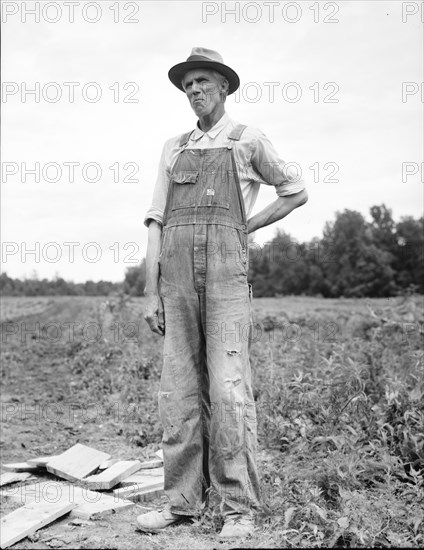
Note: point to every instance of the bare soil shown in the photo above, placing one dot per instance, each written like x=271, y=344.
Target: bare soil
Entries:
x=73, y=366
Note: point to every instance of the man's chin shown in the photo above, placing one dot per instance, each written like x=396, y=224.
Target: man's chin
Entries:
x=199, y=108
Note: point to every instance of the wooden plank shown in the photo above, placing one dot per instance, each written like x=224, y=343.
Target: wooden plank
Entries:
x=89, y=504
x=20, y=467
x=92, y=507
x=157, y=463
x=146, y=496
x=12, y=477
x=113, y=475
x=152, y=472
x=41, y=461
x=38, y=492
x=108, y=463
x=143, y=476
x=77, y=462
x=29, y=518
x=138, y=487
x=155, y=472
x=139, y=490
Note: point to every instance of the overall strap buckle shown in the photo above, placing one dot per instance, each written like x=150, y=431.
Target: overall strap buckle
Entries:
x=235, y=134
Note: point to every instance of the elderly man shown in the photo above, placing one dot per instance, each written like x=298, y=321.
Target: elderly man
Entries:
x=198, y=297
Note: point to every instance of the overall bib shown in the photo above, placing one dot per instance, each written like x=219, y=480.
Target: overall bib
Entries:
x=205, y=399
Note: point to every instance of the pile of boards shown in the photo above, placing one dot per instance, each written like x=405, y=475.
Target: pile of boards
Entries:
x=96, y=485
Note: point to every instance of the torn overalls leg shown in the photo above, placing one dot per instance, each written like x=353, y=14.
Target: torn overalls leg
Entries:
x=180, y=395
x=232, y=460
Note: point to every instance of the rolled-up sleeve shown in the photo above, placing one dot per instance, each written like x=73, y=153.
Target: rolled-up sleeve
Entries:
x=285, y=177
x=157, y=207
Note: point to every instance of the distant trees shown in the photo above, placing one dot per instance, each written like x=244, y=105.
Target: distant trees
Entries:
x=135, y=279
x=353, y=258
x=55, y=287
x=356, y=264
x=409, y=258
x=133, y=284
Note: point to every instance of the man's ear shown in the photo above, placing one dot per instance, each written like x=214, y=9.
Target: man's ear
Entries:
x=225, y=86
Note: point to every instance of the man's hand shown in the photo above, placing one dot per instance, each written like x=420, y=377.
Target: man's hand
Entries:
x=154, y=314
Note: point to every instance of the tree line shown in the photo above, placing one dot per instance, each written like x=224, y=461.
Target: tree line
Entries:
x=353, y=258
x=33, y=286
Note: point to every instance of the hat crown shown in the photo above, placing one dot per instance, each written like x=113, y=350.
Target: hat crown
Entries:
x=210, y=55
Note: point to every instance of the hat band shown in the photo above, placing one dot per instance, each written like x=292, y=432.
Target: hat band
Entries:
x=201, y=58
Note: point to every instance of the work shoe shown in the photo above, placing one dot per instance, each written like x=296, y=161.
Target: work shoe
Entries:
x=237, y=526
x=155, y=521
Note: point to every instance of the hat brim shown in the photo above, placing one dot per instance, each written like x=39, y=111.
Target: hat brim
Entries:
x=177, y=72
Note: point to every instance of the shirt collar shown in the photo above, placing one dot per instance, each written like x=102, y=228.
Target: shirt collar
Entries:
x=214, y=131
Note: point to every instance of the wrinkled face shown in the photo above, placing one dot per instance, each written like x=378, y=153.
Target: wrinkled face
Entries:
x=204, y=90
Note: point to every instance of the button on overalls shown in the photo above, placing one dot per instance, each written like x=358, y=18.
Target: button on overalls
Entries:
x=205, y=399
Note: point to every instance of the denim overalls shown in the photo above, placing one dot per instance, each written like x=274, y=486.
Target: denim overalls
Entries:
x=205, y=399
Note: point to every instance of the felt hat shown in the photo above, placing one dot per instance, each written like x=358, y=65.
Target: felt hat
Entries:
x=202, y=58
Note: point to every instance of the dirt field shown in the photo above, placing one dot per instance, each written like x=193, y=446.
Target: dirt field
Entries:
x=339, y=389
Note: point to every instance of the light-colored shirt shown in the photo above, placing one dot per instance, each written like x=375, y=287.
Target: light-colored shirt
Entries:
x=256, y=160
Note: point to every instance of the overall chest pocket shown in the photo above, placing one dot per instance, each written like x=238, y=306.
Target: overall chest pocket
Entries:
x=185, y=185
x=216, y=190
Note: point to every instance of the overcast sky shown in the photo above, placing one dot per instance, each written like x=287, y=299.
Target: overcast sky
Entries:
x=345, y=100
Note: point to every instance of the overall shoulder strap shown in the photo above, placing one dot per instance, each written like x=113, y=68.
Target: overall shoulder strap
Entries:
x=184, y=138
x=236, y=132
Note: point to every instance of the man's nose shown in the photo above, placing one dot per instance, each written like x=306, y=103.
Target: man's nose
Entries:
x=196, y=88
